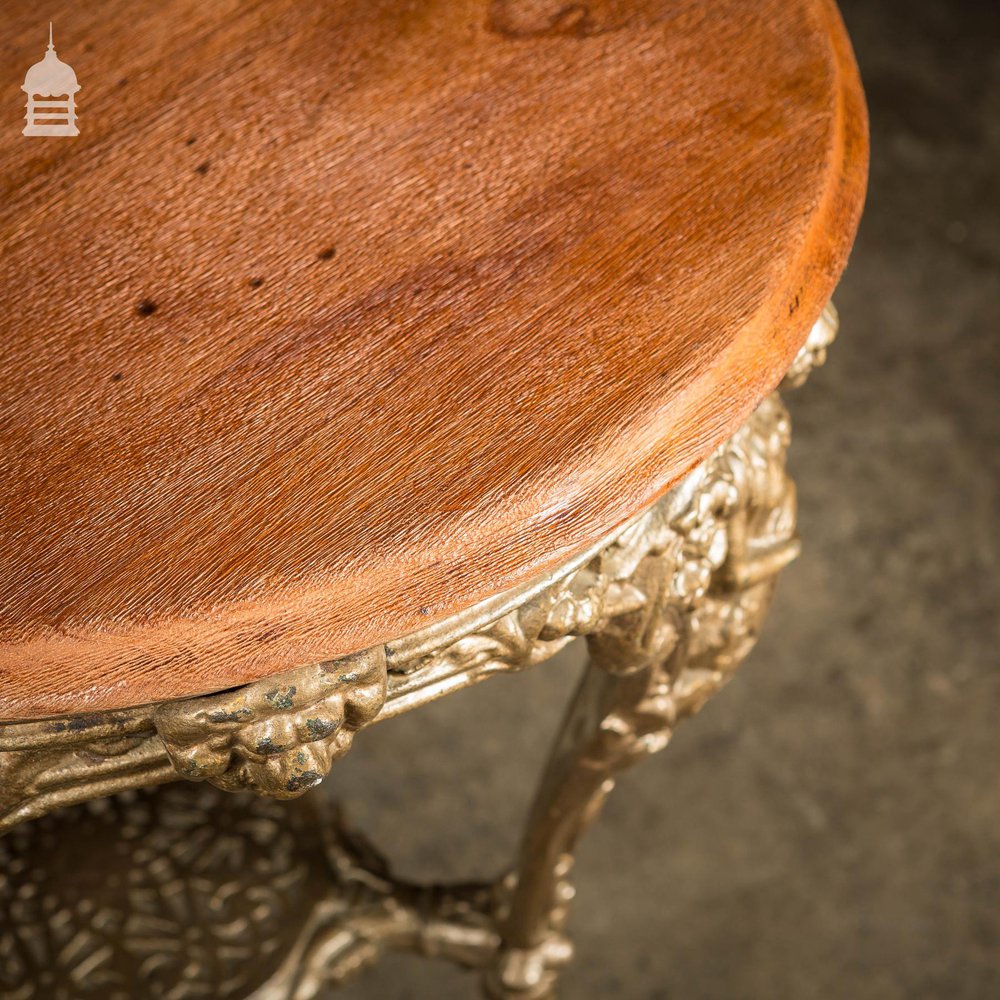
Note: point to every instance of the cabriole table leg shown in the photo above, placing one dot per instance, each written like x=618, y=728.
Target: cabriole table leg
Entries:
x=640, y=681
x=647, y=670
x=612, y=721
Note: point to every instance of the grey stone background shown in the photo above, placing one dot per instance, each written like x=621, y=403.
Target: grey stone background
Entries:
x=829, y=826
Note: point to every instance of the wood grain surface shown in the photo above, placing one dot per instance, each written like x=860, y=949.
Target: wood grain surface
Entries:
x=340, y=317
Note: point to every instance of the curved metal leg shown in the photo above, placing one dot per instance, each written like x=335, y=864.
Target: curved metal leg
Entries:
x=613, y=721
x=649, y=668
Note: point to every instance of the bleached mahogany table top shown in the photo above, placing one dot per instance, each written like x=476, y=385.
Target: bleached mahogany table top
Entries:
x=339, y=318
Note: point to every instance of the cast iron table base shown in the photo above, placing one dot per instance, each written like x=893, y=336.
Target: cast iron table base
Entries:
x=167, y=894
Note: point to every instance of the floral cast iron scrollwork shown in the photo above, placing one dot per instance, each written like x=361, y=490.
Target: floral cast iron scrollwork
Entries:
x=275, y=737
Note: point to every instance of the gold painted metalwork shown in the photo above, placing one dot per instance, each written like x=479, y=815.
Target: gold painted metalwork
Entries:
x=670, y=605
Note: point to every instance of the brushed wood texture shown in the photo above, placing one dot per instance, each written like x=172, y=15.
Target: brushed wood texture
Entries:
x=340, y=317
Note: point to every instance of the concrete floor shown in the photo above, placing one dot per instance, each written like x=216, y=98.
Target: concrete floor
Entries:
x=829, y=827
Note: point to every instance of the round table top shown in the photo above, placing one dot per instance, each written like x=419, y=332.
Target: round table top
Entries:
x=338, y=318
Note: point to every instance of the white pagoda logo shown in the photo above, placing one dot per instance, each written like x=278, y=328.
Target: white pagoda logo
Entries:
x=51, y=78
